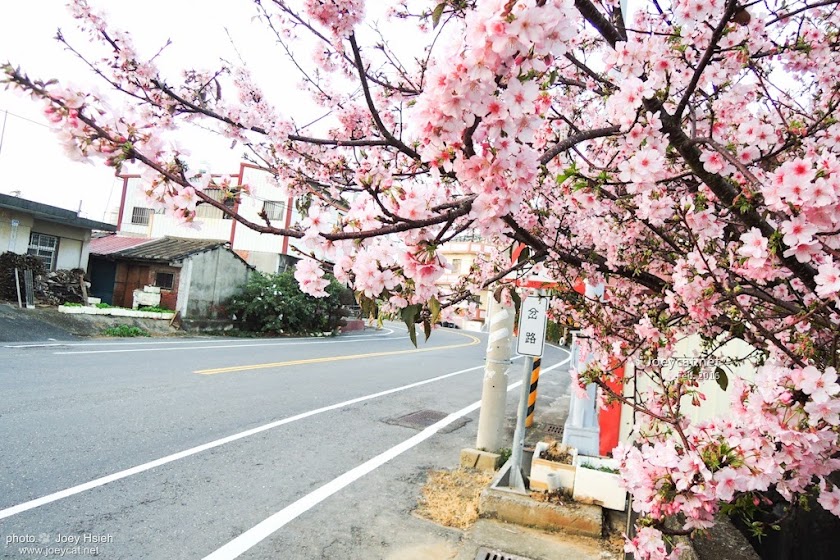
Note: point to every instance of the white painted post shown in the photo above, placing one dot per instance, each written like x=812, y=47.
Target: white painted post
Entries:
x=491, y=419
x=582, y=430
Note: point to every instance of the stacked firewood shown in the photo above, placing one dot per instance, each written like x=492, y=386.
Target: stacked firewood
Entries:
x=62, y=286
x=52, y=288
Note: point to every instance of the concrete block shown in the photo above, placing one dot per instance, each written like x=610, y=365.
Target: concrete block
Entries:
x=571, y=518
x=481, y=460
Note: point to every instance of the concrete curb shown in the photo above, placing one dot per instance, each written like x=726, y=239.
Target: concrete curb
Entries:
x=115, y=312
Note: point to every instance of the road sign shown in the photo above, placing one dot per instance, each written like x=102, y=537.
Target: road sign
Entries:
x=532, y=320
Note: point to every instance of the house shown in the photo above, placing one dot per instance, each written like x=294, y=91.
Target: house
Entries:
x=461, y=253
x=193, y=276
x=59, y=237
x=266, y=252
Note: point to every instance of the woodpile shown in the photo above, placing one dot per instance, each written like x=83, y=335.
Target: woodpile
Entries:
x=52, y=288
x=62, y=286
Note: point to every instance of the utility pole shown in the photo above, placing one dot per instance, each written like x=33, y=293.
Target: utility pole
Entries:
x=491, y=419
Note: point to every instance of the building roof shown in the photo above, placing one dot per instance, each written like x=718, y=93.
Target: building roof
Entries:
x=166, y=249
x=52, y=213
x=110, y=244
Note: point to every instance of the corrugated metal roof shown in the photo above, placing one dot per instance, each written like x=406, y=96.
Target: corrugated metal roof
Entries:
x=168, y=249
x=110, y=244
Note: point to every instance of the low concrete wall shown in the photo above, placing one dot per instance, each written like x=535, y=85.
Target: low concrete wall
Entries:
x=114, y=312
x=572, y=517
x=93, y=325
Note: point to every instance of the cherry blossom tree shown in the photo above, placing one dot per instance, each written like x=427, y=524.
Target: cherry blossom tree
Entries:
x=687, y=158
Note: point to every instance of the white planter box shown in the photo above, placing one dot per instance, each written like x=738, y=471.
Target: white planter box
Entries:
x=540, y=469
x=598, y=487
x=71, y=310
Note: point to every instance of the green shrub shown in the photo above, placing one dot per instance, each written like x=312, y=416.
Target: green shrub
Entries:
x=124, y=331
x=273, y=303
x=71, y=304
x=104, y=305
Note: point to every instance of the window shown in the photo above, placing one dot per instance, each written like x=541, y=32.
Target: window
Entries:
x=286, y=262
x=44, y=247
x=229, y=203
x=205, y=209
x=456, y=266
x=140, y=215
x=164, y=280
x=274, y=211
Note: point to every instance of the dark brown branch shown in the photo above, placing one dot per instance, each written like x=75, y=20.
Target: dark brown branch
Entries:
x=731, y=6
x=599, y=21
x=360, y=67
x=571, y=141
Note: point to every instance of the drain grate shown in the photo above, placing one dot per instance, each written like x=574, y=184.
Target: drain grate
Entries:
x=424, y=418
x=552, y=429
x=487, y=554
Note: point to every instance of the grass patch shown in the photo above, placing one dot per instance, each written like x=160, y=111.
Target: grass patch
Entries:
x=103, y=305
x=451, y=497
x=124, y=331
x=155, y=309
x=71, y=304
x=601, y=468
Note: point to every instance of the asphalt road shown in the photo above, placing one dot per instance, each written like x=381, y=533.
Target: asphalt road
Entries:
x=214, y=447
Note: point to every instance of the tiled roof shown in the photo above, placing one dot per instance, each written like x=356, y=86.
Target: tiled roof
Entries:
x=166, y=249
x=110, y=244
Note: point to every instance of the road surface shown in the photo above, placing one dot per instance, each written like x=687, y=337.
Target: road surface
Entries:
x=224, y=448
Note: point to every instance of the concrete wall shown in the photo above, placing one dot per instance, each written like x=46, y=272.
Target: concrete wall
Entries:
x=73, y=242
x=718, y=402
x=266, y=263
x=209, y=279
x=212, y=225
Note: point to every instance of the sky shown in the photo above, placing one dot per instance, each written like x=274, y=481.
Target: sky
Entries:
x=32, y=162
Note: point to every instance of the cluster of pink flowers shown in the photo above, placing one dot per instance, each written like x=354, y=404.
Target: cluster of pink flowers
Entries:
x=483, y=82
x=666, y=160
x=339, y=16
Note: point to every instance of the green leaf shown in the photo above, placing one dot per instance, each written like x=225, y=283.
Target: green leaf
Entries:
x=721, y=378
x=524, y=255
x=427, y=329
x=412, y=334
x=409, y=316
x=569, y=172
x=437, y=13
x=517, y=301
x=434, y=307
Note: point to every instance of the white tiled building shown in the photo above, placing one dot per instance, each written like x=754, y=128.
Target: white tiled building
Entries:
x=266, y=252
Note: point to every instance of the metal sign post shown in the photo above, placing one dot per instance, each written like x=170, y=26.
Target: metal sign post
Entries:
x=533, y=316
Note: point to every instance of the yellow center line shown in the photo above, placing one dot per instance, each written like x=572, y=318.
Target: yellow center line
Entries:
x=473, y=342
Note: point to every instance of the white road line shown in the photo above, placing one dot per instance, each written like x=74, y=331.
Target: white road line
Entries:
x=564, y=362
x=32, y=504
x=156, y=342
x=265, y=528
x=214, y=346
x=270, y=525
